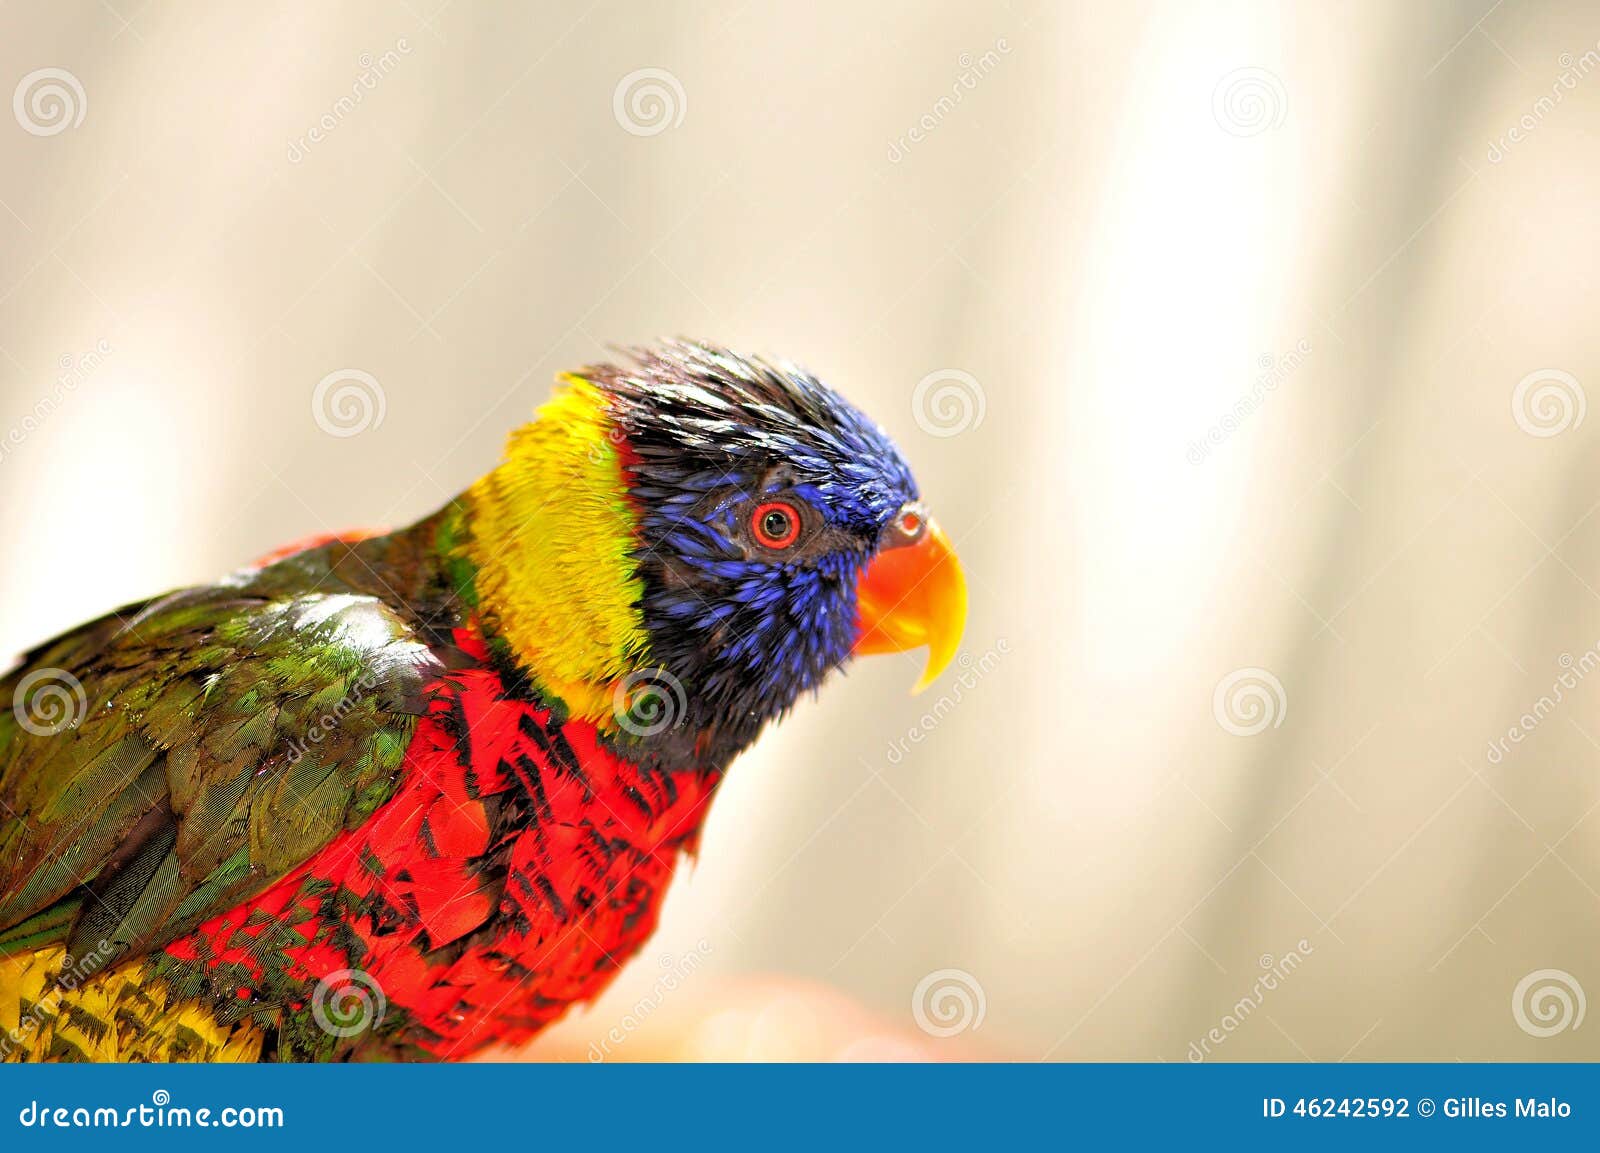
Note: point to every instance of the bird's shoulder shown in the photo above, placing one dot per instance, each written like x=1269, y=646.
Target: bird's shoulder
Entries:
x=169, y=759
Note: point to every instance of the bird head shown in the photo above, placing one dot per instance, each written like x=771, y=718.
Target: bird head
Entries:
x=679, y=545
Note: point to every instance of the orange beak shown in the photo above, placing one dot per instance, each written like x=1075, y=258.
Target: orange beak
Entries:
x=913, y=595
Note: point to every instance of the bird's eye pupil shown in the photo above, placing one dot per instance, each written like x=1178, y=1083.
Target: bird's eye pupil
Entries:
x=776, y=525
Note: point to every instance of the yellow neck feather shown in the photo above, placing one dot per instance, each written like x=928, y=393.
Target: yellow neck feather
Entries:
x=551, y=539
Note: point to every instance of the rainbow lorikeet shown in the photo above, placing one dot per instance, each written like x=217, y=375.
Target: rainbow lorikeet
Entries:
x=407, y=795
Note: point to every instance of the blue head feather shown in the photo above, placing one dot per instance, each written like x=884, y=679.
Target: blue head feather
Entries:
x=706, y=435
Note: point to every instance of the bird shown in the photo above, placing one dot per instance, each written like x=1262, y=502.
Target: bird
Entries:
x=410, y=794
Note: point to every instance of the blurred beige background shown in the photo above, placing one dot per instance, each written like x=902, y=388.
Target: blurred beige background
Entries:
x=1264, y=333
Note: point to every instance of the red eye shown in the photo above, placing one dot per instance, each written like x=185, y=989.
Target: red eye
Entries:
x=775, y=525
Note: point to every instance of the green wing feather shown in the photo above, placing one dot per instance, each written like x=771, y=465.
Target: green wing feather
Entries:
x=219, y=737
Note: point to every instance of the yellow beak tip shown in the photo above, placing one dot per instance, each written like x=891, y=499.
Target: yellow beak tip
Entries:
x=939, y=658
x=915, y=597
